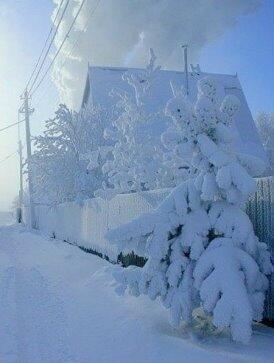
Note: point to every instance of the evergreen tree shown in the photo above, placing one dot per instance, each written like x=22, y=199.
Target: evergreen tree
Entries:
x=178, y=151
x=200, y=244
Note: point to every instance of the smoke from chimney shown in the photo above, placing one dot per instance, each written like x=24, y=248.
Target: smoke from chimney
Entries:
x=120, y=33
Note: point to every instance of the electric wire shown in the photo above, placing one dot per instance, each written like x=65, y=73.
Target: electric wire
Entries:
x=49, y=47
x=8, y=157
x=59, y=49
x=9, y=126
x=76, y=42
x=45, y=44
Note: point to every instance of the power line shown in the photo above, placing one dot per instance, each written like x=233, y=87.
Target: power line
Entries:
x=9, y=126
x=76, y=42
x=59, y=49
x=8, y=157
x=45, y=44
x=83, y=31
x=49, y=47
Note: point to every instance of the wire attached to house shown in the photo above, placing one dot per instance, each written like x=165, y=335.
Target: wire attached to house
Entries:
x=60, y=47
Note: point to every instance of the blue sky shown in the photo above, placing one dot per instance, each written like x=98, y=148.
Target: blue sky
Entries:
x=247, y=49
x=23, y=27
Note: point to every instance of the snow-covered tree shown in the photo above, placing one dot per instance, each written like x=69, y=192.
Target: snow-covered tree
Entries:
x=62, y=165
x=177, y=155
x=200, y=245
x=265, y=124
x=136, y=154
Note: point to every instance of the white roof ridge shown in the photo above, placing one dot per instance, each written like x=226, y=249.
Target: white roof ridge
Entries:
x=114, y=68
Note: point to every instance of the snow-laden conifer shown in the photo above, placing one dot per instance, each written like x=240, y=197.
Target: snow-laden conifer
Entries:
x=178, y=152
x=200, y=244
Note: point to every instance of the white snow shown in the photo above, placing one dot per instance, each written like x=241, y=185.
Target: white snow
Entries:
x=57, y=304
x=195, y=260
x=135, y=163
x=102, y=80
x=86, y=224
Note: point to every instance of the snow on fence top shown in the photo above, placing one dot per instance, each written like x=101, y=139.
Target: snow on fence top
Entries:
x=102, y=80
x=86, y=225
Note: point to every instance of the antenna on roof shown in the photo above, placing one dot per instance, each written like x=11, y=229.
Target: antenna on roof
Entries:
x=185, y=48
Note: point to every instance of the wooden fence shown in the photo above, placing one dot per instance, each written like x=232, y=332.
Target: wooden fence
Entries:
x=85, y=226
x=261, y=212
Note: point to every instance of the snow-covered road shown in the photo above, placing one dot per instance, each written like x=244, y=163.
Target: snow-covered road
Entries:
x=57, y=304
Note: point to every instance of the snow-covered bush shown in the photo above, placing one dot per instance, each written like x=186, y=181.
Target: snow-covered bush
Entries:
x=200, y=244
x=136, y=153
x=265, y=124
x=69, y=155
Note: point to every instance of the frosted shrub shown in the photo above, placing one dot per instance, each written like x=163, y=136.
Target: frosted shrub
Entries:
x=201, y=248
x=69, y=155
x=136, y=156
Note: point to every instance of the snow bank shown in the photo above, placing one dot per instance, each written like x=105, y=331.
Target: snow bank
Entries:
x=58, y=305
x=87, y=225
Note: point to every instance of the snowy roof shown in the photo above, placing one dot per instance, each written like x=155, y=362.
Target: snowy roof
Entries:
x=102, y=80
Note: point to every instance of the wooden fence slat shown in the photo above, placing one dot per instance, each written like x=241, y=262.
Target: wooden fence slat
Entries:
x=261, y=213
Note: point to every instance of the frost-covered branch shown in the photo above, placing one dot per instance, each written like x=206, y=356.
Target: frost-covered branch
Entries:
x=136, y=156
x=62, y=165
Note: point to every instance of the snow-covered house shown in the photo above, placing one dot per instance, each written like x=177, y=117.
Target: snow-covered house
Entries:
x=102, y=80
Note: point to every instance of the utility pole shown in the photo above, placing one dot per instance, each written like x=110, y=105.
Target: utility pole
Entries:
x=20, y=211
x=27, y=112
x=185, y=48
